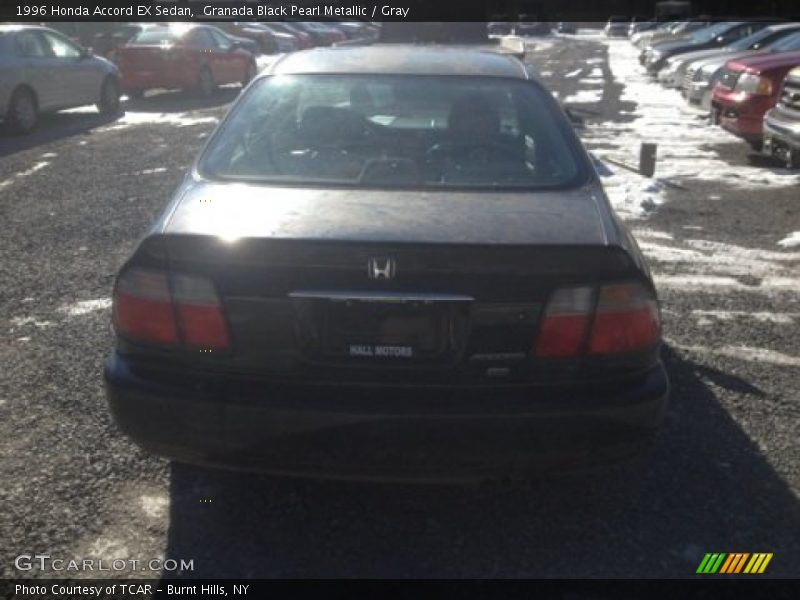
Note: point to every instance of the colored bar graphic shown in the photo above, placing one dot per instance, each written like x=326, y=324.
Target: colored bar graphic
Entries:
x=754, y=563
x=703, y=563
x=765, y=563
x=741, y=562
x=734, y=562
x=730, y=561
x=711, y=562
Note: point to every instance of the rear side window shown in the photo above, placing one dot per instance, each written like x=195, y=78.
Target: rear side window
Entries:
x=396, y=132
x=200, y=38
x=220, y=39
x=787, y=44
x=61, y=47
x=31, y=45
x=156, y=37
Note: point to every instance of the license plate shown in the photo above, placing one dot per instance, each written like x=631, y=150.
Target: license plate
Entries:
x=383, y=330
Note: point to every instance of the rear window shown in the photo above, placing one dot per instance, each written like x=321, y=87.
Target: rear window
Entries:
x=787, y=44
x=706, y=34
x=395, y=131
x=156, y=36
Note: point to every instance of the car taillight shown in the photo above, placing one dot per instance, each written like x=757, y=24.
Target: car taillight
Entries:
x=149, y=308
x=143, y=307
x=563, y=328
x=202, y=322
x=625, y=319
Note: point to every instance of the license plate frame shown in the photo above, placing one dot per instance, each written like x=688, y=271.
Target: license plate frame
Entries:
x=383, y=330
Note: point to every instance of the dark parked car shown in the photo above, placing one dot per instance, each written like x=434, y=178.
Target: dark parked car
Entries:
x=303, y=40
x=566, y=27
x=617, y=27
x=321, y=33
x=532, y=28
x=715, y=36
x=500, y=28
x=782, y=123
x=260, y=39
x=391, y=262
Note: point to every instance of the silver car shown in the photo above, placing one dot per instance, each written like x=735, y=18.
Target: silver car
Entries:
x=41, y=70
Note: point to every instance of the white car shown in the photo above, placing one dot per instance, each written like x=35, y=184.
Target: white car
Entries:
x=41, y=70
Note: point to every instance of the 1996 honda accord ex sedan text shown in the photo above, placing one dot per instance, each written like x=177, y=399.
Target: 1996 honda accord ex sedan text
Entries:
x=389, y=262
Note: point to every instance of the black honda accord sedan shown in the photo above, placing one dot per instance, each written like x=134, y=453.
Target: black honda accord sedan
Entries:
x=389, y=262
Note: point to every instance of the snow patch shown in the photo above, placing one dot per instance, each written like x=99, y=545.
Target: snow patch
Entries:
x=584, y=96
x=154, y=506
x=85, y=307
x=22, y=174
x=22, y=321
x=790, y=241
x=780, y=318
x=713, y=284
x=747, y=353
x=185, y=119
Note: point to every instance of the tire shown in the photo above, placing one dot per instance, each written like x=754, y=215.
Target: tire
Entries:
x=251, y=72
x=205, y=83
x=793, y=158
x=23, y=111
x=108, y=104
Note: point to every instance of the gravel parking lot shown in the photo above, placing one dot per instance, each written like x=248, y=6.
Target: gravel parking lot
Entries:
x=716, y=223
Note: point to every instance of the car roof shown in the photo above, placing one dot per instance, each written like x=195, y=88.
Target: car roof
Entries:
x=780, y=26
x=764, y=61
x=10, y=28
x=401, y=59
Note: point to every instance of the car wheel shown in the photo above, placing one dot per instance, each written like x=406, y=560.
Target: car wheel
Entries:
x=205, y=82
x=793, y=158
x=109, y=97
x=251, y=72
x=23, y=111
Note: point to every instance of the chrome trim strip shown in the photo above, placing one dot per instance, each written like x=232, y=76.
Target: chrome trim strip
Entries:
x=379, y=296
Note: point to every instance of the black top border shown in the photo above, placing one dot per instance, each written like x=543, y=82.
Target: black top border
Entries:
x=380, y=10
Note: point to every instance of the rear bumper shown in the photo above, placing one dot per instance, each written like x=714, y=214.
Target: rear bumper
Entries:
x=156, y=79
x=413, y=433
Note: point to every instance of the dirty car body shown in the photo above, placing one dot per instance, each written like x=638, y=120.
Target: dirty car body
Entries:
x=389, y=262
x=782, y=123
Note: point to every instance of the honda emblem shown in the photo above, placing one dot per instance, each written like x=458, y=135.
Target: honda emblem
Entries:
x=381, y=268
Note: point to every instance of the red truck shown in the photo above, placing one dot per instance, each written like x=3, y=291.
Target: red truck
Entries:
x=747, y=89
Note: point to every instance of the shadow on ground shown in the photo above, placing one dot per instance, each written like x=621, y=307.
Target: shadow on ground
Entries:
x=182, y=101
x=54, y=127
x=706, y=489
